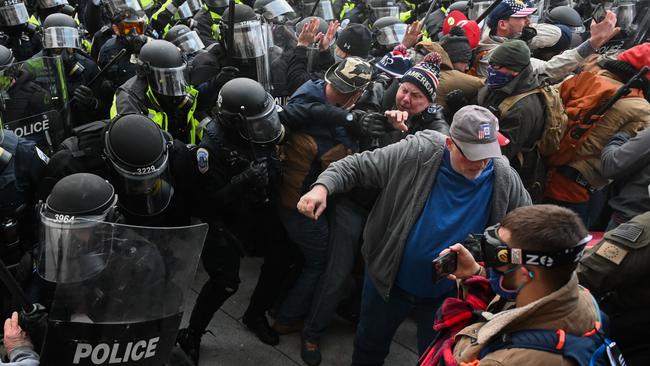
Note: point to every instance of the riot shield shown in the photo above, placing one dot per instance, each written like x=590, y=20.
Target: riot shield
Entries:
x=35, y=100
x=284, y=44
x=119, y=292
x=633, y=17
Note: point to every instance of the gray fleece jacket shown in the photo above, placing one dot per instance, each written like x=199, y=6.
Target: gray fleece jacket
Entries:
x=405, y=171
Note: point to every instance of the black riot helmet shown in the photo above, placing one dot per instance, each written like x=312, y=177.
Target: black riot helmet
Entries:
x=162, y=63
x=60, y=31
x=565, y=15
x=274, y=9
x=13, y=13
x=138, y=151
x=184, y=38
x=248, y=40
x=216, y=5
x=389, y=31
x=6, y=57
x=322, y=24
x=382, y=8
x=460, y=6
x=71, y=223
x=244, y=104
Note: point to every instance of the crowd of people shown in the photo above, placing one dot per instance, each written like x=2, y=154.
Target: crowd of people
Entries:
x=353, y=145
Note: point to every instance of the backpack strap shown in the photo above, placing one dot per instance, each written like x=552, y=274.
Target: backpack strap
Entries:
x=579, y=349
x=508, y=102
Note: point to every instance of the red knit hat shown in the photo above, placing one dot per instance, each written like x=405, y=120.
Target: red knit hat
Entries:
x=637, y=56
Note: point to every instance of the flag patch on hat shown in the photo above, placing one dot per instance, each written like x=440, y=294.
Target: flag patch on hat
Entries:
x=484, y=131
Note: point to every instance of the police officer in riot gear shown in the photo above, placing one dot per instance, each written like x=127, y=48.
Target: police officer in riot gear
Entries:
x=274, y=11
x=160, y=91
x=128, y=29
x=148, y=169
x=387, y=32
x=239, y=169
x=569, y=17
x=45, y=8
x=18, y=34
x=61, y=38
x=208, y=21
x=28, y=91
x=187, y=40
x=21, y=168
x=249, y=53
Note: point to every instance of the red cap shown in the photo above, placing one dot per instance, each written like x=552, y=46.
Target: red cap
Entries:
x=471, y=28
x=637, y=56
x=503, y=140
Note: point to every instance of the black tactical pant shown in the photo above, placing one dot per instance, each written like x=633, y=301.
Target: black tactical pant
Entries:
x=221, y=259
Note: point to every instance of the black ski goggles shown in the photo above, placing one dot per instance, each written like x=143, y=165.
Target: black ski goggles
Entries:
x=495, y=253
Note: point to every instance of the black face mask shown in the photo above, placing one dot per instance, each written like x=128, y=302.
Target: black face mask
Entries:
x=134, y=43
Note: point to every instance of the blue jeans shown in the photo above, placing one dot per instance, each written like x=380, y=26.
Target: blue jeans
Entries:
x=346, y=220
x=312, y=238
x=380, y=319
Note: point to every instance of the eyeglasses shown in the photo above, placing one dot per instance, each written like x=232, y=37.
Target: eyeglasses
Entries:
x=459, y=149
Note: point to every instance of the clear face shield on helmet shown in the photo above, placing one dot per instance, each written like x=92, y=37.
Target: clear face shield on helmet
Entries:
x=144, y=191
x=168, y=81
x=189, y=8
x=391, y=35
x=14, y=14
x=189, y=42
x=478, y=9
x=625, y=14
x=61, y=37
x=249, y=40
x=324, y=10
x=46, y=4
x=264, y=128
x=276, y=9
x=385, y=11
x=73, y=248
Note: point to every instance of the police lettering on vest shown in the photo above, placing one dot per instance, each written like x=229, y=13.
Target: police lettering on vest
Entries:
x=116, y=353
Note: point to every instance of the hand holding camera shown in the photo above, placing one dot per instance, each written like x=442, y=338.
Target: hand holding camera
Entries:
x=459, y=261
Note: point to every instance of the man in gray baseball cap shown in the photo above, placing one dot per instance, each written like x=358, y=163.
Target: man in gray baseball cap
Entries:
x=435, y=190
x=475, y=131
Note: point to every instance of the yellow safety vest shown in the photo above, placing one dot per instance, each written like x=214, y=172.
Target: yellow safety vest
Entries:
x=160, y=117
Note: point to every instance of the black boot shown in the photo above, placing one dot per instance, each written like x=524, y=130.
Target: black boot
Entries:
x=260, y=326
x=190, y=342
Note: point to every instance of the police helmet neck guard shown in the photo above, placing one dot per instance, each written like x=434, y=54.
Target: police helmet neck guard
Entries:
x=497, y=253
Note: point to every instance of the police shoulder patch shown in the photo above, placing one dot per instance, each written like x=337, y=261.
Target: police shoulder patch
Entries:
x=612, y=252
x=202, y=160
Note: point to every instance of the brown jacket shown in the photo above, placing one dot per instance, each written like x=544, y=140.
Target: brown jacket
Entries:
x=570, y=308
x=451, y=79
x=626, y=115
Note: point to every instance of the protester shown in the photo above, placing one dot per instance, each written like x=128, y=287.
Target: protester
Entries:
x=458, y=173
x=509, y=75
x=20, y=350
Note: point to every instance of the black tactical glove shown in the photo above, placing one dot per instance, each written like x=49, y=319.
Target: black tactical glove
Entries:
x=134, y=44
x=528, y=33
x=34, y=323
x=374, y=124
x=85, y=96
x=256, y=175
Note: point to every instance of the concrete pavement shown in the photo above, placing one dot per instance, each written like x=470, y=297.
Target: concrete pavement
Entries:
x=233, y=344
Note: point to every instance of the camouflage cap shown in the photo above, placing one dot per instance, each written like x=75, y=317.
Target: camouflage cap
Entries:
x=349, y=75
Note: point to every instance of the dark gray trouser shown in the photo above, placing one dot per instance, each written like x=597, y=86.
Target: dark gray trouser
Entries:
x=346, y=222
